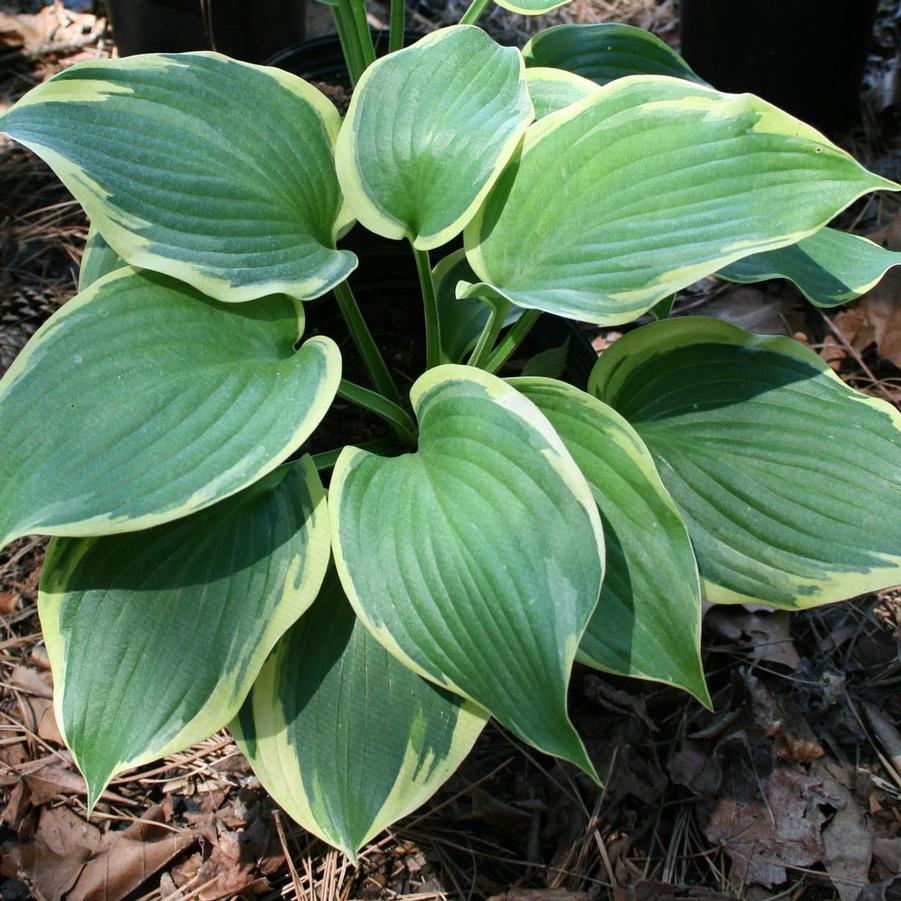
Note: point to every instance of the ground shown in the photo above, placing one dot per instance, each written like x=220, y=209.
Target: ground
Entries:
x=790, y=788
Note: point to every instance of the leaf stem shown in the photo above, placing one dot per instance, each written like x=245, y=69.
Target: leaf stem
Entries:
x=350, y=45
x=474, y=13
x=430, y=308
x=395, y=415
x=367, y=48
x=492, y=329
x=327, y=459
x=365, y=344
x=396, y=35
x=512, y=340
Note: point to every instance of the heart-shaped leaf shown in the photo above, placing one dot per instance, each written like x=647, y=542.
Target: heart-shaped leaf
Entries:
x=216, y=172
x=156, y=637
x=428, y=132
x=606, y=51
x=553, y=89
x=788, y=480
x=829, y=268
x=477, y=560
x=331, y=693
x=648, y=620
x=141, y=401
x=667, y=181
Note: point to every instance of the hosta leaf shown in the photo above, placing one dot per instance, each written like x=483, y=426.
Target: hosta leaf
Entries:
x=553, y=89
x=605, y=52
x=462, y=318
x=214, y=171
x=648, y=620
x=788, y=480
x=667, y=181
x=429, y=130
x=156, y=637
x=531, y=7
x=141, y=401
x=343, y=736
x=830, y=267
x=99, y=259
x=477, y=560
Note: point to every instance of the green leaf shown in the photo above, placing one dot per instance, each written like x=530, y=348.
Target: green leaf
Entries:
x=667, y=181
x=462, y=318
x=156, y=637
x=553, y=89
x=605, y=52
x=428, y=132
x=531, y=7
x=141, y=401
x=345, y=738
x=550, y=363
x=477, y=560
x=788, y=480
x=830, y=267
x=216, y=172
x=648, y=621
x=99, y=259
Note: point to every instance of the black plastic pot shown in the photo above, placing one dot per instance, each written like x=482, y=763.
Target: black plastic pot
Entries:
x=321, y=59
x=806, y=56
x=151, y=26
x=229, y=26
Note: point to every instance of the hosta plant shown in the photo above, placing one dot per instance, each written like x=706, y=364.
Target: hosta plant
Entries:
x=356, y=640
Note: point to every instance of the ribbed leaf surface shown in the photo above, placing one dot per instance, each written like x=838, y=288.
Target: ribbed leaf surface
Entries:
x=665, y=182
x=478, y=559
x=343, y=736
x=216, y=172
x=788, y=480
x=648, y=621
x=429, y=130
x=553, y=89
x=830, y=267
x=141, y=401
x=605, y=52
x=156, y=637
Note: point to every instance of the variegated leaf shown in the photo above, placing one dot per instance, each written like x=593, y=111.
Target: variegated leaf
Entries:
x=789, y=481
x=213, y=171
x=343, y=736
x=156, y=637
x=141, y=401
x=477, y=560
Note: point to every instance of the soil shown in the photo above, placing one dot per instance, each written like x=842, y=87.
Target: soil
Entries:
x=790, y=788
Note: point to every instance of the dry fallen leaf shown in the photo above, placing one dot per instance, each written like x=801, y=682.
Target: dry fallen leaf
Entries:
x=765, y=823
x=52, y=863
x=768, y=634
x=124, y=860
x=847, y=843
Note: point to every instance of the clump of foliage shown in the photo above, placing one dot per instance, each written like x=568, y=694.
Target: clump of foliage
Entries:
x=357, y=641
